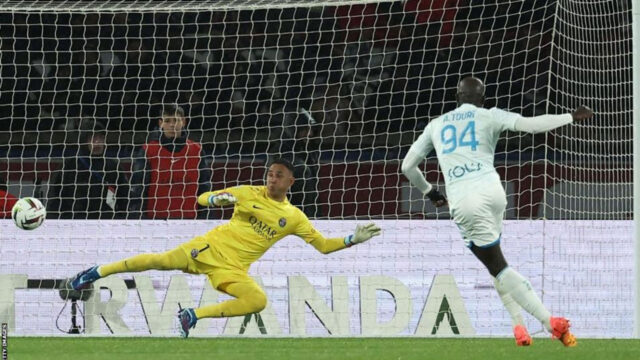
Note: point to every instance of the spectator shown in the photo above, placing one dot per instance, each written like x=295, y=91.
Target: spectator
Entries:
x=89, y=185
x=169, y=172
x=333, y=112
x=440, y=15
x=300, y=149
x=6, y=200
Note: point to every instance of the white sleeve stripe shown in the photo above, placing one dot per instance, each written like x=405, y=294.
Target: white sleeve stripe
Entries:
x=542, y=123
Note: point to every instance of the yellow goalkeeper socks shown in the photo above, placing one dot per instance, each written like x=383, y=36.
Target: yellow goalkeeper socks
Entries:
x=249, y=299
x=174, y=259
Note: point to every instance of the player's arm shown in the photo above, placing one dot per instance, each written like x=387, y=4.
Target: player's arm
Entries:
x=543, y=123
x=418, y=151
x=224, y=197
x=328, y=245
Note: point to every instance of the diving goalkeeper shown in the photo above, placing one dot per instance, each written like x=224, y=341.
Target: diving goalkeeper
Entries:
x=262, y=215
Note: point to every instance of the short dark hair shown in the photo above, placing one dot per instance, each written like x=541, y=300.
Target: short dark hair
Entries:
x=172, y=110
x=284, y=162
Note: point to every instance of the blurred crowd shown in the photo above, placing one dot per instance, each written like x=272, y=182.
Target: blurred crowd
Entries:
x=293, y=82
x=359, y=69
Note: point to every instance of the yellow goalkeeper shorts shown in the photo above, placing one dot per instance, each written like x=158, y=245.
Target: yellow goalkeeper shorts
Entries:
x=203, y=258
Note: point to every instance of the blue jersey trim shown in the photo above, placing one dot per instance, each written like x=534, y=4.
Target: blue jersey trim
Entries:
x=494, y=243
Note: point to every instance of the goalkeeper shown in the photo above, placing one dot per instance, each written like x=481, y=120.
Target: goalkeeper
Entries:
x=262, y=215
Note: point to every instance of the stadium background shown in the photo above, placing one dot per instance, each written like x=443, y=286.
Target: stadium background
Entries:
x=371, y=75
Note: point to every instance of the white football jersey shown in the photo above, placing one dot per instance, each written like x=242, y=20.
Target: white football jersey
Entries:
x=465, y=141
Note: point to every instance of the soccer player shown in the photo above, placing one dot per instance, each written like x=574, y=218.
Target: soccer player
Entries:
x=464, y=140
x=262, y=215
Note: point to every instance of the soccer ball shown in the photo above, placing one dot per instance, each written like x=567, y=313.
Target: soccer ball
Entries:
x=28, y=213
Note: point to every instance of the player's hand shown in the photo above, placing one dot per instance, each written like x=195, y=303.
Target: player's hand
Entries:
x=582, y=113
x=222, y=199
x=364, y=233
x=437, y=198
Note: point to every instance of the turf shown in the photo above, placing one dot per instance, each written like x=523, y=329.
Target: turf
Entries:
x=312, y=348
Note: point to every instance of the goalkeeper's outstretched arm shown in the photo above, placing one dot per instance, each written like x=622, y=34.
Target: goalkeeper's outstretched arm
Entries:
x=328, y=245
x=216, y=198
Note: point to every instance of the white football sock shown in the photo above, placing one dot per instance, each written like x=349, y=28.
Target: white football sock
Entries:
x=511, y=305
x=512, y=283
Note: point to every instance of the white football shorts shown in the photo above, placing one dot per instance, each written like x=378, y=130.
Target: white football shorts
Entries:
x=477, y=207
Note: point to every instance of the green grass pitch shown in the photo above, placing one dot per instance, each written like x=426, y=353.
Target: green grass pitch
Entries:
x=32, y=348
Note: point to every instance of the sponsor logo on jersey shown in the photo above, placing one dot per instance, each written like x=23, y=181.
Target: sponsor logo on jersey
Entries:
x=261, y=228
x=457, y=172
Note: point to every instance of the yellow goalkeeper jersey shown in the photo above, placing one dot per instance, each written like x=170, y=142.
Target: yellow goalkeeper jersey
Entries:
x=257, y=223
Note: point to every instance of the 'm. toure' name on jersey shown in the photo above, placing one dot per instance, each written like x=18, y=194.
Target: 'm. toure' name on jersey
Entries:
x=458, y=116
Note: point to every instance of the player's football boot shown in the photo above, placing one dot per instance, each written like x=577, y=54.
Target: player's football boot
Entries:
x=522, y=336
x=85, y=278
x=560, y=330
x=187, y=319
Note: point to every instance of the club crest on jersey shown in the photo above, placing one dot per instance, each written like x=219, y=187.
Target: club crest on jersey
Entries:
x=194, y=253
x=282, y=222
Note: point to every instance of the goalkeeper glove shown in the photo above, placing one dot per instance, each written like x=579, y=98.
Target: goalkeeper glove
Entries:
x=436, y=198
x=222, y=199
x=362, y=234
